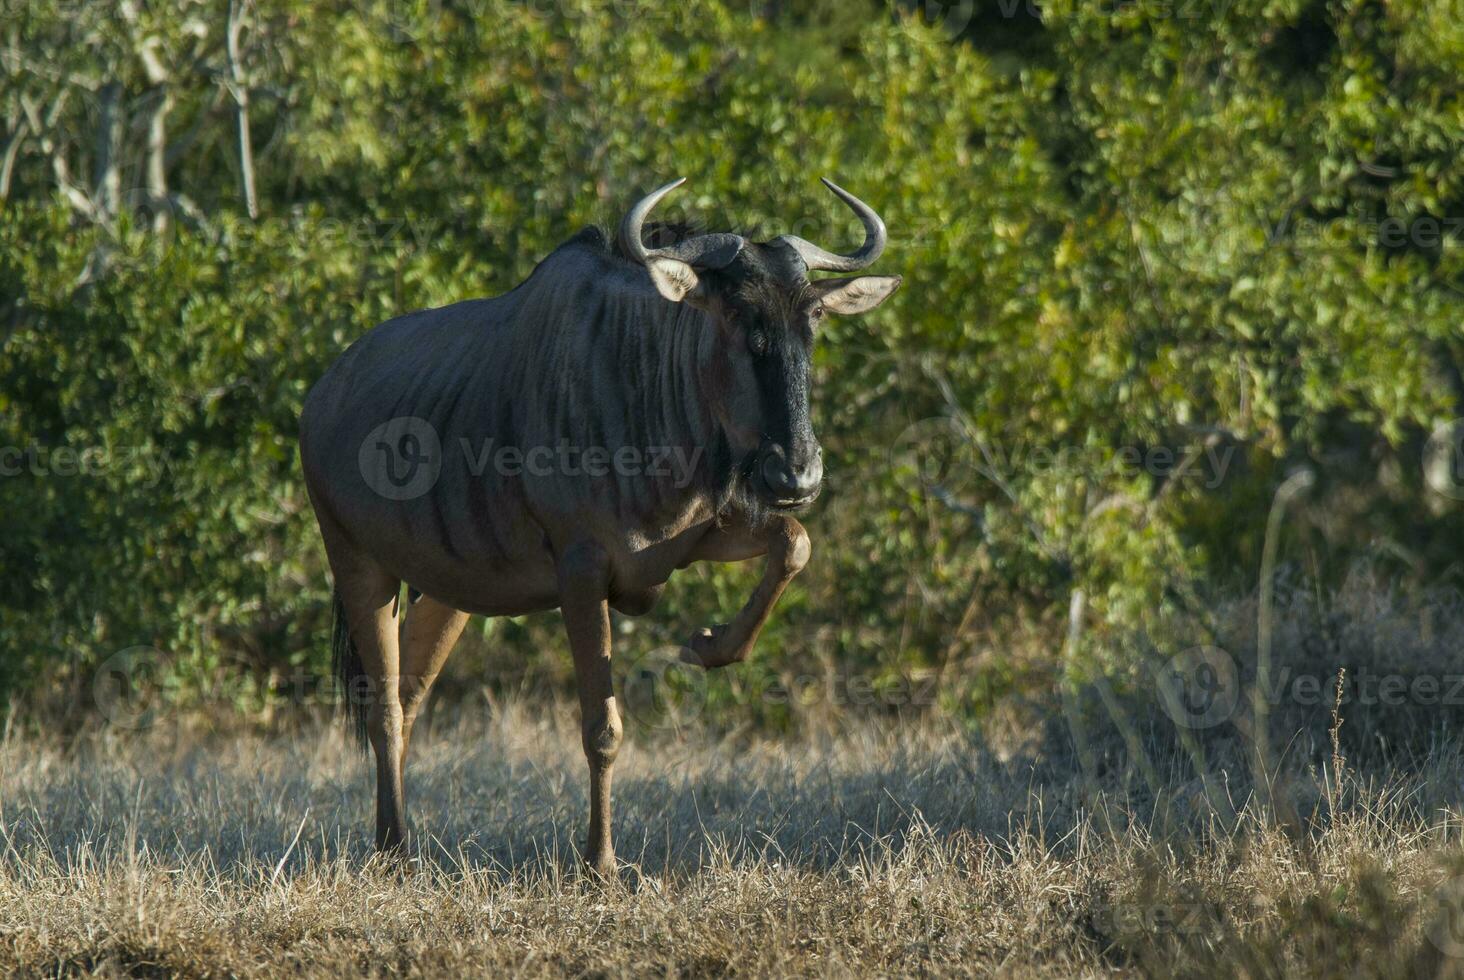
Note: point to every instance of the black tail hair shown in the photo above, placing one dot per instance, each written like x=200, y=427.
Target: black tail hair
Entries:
x=346, y=664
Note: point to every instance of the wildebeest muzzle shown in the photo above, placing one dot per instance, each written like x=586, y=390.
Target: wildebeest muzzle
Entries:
x=791, y=480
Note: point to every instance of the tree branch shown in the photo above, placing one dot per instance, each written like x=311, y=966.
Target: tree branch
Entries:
x=12, y=150
x=157, y=154
x=239, y=89
x=156, y=167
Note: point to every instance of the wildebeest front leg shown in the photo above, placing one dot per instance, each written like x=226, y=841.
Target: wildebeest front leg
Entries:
x=787, y=547
x=584, y=585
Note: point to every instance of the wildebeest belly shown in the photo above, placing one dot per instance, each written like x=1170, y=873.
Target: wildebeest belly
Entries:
x=527, y=581
x=640, y=568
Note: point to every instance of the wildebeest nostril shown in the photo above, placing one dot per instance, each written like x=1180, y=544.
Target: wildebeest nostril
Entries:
x=778, y=475
x=789, y=481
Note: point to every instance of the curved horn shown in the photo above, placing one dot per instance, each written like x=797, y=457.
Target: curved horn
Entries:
x=875, y=238
x=702, y=252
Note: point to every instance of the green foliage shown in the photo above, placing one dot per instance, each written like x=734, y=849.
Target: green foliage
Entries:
x=1155, y=255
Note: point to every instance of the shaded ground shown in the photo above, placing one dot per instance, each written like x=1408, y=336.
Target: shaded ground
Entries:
x=169, y=852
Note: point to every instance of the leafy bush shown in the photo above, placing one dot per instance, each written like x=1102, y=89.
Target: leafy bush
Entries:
x=1157, y=256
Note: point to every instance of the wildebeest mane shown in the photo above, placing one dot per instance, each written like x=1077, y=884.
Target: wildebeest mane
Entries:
x=646, y=334
x=728, y=478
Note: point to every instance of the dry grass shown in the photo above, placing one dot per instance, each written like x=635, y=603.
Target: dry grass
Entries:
x=914, y=851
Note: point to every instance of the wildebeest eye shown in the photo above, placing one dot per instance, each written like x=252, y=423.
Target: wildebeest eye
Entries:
x=757, y=342
x=817, y=313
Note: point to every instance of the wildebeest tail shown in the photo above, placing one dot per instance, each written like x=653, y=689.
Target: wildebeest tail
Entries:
x=346, y=663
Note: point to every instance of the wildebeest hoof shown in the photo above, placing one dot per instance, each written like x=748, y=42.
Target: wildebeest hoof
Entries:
x=396, y=863
x=708, y=648
x=601, y=870
x=406, y=866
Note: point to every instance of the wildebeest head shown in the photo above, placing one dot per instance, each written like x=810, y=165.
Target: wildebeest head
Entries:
x=767, y=311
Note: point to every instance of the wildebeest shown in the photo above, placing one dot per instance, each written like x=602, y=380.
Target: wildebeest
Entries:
x=420, y=443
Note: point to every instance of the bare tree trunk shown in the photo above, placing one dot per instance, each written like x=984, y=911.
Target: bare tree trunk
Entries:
x=157, y=135
x=157, y=151
x=12, y=150
x=246, y=159
x=155, y=172
x=240, y=91
x=106, y=172
x=18, y=124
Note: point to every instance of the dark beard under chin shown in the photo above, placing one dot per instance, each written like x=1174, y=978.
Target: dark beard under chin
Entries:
x=739, y=502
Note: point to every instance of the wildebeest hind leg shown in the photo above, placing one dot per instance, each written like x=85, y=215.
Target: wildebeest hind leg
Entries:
x=787, y=547
x=371, y=601
x=371, y=596
x=431, y=631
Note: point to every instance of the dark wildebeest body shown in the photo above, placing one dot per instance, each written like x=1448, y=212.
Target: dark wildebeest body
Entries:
x=604, y=362
x=570, y=444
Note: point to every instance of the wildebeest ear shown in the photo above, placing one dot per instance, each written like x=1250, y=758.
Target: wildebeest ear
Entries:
x=674, y=279
x=857, y=294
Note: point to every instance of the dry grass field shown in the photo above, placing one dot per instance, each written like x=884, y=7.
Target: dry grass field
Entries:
x=905, y=850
